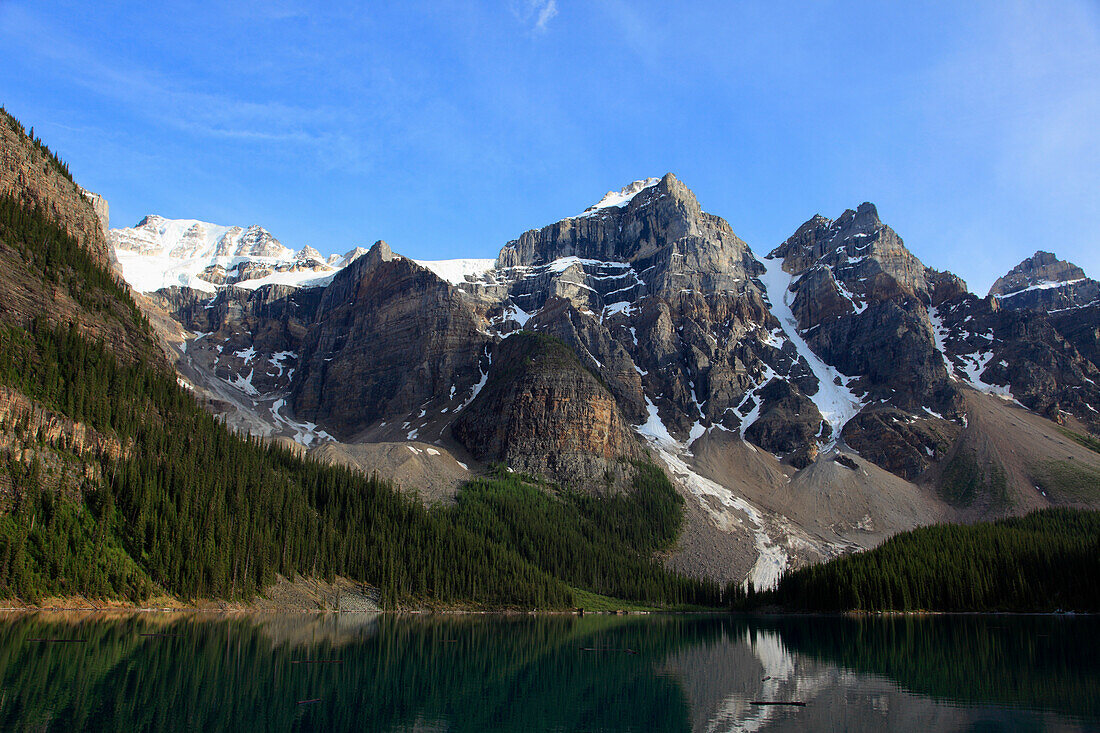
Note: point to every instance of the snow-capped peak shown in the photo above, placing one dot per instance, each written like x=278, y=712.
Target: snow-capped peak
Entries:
x=348, y=257
x=621, y=197
x=159, y=253
x=309, y=253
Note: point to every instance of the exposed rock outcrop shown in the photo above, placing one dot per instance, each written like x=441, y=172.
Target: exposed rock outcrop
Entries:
x=788, y=420
x=1045, y=283
x=542, y=412
x=390, y=338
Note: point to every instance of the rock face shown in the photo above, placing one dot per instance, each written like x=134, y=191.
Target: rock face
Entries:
x=390, y=338
x=36, y=178
x=1030, y=356
x=658, y=296
x=249, y=337
x=861, y=299
x=903, y=444
x=1045, y=283
x=101, y=208
x=658, y=228
x=788, y=420
x=542, y=412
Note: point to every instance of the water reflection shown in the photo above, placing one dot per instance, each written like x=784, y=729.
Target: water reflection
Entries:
x=71, y=671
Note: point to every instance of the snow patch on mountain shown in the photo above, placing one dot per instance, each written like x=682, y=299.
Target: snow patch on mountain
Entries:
x=456, y=271
x=836, y=402
x=1044, y=285
x=621, y=197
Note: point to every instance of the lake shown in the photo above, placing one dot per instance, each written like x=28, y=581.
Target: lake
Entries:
x=63, y=671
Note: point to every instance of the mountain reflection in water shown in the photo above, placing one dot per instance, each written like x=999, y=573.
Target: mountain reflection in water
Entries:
x=150, y=671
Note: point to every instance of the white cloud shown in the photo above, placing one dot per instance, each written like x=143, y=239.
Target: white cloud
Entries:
x=548, y=11
x=535, y=13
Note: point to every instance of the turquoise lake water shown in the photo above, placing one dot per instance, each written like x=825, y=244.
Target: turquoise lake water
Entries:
x=65, y=671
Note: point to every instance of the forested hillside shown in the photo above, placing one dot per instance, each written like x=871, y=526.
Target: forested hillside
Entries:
x=1045, y=561
x=115, y=483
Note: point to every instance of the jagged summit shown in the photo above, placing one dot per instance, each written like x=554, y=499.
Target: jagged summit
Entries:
x=1042, y=268
x=1043, y=282
x=309, y=253
x=658, y=228
x=623, y=196
x=160, y=252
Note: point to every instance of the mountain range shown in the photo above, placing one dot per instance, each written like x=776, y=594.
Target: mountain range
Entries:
x=806, y=402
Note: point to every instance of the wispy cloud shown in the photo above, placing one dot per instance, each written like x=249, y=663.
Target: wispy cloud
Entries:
x=536, y=14
x=548, y=11
x=176, y=102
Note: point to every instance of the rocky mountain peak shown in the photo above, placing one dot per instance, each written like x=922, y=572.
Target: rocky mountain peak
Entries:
x=862, y=258
x=1045, y=283
x=1039, y=269
x=379, y=252
x=864, y=218
x=149, y=220
x=656, y=227
x=350, y=256
x=623, y=196
x=160, y=253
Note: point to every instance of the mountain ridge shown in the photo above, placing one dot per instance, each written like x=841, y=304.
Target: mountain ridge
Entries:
x=838, y=343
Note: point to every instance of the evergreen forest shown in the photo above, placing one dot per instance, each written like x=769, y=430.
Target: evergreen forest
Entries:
x=1046, y=561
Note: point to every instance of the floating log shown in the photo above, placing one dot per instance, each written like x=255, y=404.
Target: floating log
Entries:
x=777, y=702
x=311, y=700
x=606, y=649
x=317, y=661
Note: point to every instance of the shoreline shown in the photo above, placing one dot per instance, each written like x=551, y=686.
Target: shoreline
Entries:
x=214, y=609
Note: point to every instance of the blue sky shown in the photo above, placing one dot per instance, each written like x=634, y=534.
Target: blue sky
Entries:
x=449, y=128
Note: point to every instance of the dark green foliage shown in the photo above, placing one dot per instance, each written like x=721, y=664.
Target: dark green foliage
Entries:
x=206, y=513
x=965, y=481
x=51, y=546
x=961, y=479
x=1045, y=561
x=47, y=250
x=599, y=544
